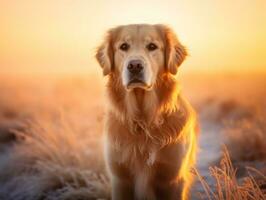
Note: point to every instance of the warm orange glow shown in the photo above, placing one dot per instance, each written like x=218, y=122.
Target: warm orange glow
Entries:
x=54, y=36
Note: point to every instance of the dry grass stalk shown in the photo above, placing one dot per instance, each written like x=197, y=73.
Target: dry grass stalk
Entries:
x=226, y=185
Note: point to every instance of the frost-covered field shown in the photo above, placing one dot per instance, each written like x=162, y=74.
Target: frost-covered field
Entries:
x=51, y=130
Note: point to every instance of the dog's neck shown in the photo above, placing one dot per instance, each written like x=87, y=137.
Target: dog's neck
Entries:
x=139, y=96
x=142, y=105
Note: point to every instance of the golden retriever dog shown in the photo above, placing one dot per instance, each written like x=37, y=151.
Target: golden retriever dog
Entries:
x=150, y=129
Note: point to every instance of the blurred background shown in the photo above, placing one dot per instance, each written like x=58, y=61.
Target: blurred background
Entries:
x=52, y=94
x=61, y=36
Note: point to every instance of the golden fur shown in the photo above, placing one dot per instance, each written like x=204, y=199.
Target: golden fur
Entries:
x=150, y=133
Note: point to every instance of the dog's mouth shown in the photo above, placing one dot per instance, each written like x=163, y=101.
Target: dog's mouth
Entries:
x=137, y=83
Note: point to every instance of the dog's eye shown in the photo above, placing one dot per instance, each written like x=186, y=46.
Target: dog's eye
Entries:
x=124, y=46
x=151, y=47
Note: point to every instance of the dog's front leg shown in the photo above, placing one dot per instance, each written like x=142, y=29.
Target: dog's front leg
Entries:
x=169, y=190
x=121, y=179
x=166, y=181
x=121, y=190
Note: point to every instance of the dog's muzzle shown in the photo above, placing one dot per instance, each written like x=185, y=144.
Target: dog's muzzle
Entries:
x=135, y=70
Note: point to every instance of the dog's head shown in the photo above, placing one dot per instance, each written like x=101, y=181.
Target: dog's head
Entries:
x=139, y=53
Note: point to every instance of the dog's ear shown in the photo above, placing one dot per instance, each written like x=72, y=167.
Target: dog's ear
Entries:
x=175, y=52
x=105, y=55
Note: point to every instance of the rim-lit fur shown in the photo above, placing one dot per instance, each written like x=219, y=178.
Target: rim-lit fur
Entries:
x=150, y=135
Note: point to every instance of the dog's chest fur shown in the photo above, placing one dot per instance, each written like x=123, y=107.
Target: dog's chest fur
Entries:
x=141, y=153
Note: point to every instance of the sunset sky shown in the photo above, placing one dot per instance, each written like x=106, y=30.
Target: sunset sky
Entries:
x=59, y=36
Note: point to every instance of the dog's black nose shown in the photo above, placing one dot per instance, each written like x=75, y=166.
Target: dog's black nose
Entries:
x=135, y=66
